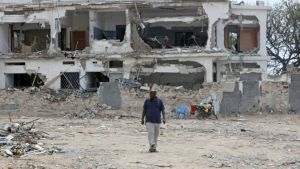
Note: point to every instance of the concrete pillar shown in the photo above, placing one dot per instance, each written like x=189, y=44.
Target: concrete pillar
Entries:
x=262, y=35
x=211, y=22
x=53, y=33
x=210, y=9
x=92, y=16
x=220, y=34
x=128, y=66
x=55, y=27
x=83, y=80
x=209, y=72
x=4, y=37
x=2, y=76
x=208, y=64
x=127, y=37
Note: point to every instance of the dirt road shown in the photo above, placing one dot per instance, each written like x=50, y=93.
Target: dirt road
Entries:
x=271, y=141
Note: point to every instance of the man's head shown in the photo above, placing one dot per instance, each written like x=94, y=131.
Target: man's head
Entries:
x=152, y=94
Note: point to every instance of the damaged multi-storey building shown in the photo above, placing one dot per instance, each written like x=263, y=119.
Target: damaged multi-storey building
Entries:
x=79, y=44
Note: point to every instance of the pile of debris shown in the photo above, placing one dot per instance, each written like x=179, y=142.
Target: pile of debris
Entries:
x=88, y=112
x=18, y=139
x=63, y=95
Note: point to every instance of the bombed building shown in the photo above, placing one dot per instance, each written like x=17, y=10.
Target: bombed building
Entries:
x=79, y=44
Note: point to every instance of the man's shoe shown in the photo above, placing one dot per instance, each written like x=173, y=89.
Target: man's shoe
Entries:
x=152, y=149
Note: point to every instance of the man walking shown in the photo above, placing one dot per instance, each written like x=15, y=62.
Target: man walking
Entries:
x=153, y=108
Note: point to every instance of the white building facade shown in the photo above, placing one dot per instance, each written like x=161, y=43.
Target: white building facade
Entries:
x=79, y=44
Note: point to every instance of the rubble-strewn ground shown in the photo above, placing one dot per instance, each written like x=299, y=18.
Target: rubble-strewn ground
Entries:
x=90, y=135
x=256, y=141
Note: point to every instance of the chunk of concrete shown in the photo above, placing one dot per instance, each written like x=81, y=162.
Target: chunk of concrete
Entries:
x=249, y=101
x=8, y=152
x=231, y=101
x=147, y=88
x=109, y=94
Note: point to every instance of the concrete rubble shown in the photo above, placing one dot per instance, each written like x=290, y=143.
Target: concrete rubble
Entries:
x=89, y=112
x=20, y=139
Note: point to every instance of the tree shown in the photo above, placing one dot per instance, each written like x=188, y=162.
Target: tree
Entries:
x=283, y=36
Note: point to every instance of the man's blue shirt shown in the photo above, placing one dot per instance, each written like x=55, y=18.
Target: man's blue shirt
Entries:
x=153, y=110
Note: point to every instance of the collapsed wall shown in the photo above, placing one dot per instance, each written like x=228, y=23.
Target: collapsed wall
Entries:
x=275, y=96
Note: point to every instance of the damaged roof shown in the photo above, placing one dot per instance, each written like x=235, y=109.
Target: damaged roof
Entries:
x=63, y=2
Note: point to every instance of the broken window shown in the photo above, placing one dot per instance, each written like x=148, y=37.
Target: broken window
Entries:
x=74, y=35
x=120, y=32
x=232, y=37
x=190, y=76
x=23, y=80
x=109, y=26
x=182, y=28
x=241, y=38
x=115, y=64
x=27, y=38
x=93, y=79
x=183, y=36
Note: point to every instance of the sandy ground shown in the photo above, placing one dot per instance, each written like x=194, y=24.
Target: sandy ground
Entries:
x=258, y=141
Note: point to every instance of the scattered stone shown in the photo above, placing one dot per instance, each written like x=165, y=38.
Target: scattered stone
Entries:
x=147, y=88
x=89, y=112
x=18, y=139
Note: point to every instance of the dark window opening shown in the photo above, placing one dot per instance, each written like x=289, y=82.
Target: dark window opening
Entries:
x=72, y=35
x=183, y=39
x=115, y=64
x=159, y=37
x=68, y=63
x=215, y=72
x=23, y=80
x=120, y=32
x=69, y=80
x=93, y=79
x=14, y=63
x=232, y=37
x=62, y=39
x=28, y=38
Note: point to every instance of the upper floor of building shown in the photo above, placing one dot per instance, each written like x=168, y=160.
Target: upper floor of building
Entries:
x=108, y=27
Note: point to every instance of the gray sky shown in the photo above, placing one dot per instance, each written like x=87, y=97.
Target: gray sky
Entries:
x=270, y=2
